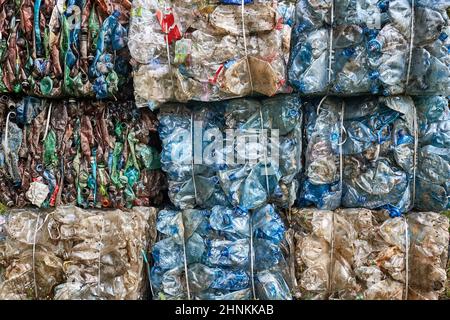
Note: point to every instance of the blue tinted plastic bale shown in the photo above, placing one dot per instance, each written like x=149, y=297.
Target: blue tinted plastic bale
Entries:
x=377, y=152
x=235, y=1
x=215, y=180
x=190, y=184
x=371, y=42
x=217, y=244
x=433, y=174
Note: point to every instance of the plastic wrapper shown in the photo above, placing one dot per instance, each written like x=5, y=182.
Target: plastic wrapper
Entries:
x=378, y=47
x=89, y=153
x=58, y=48
x=433, y=174
x=364, y=254
x=243, y=152
x=71, y=253
x=360, y=153
x=222, y=253
x=208, y=51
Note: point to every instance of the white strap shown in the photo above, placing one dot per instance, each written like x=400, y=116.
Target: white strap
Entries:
x=252, y=263
x=34, y=255
x=416, y=146
x=406, y=258
x=48, y=121
x=5, y=140
x=265, y=151
x=192, y=156
x=320, y=104
x=341, y=143
x=100, y=245
x=36, y=229
x=331, y=52
x=331, y=267
x=411, y=42
x=245, y=44
x=186, y=267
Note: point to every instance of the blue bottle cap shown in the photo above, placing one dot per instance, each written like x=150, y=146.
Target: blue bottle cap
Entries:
x=374, y=45
x=374, y=89
x=383, y=5
x=374, y=75
x=302, y=86
x=348, y=52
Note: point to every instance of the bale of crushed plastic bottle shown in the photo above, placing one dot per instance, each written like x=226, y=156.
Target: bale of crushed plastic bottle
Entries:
x=360, y=153
x=243, y=152
x=221, y=253
x=89, y=153
x=58, y=48
x=71, y=253
x=208, y=51
x=371, y=47
x=433, y=171
x=365, y=254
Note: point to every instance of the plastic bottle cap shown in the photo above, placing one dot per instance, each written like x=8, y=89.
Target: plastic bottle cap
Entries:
x=374, y=45
x=443, y=36
x=374, y=75
x=383, y=6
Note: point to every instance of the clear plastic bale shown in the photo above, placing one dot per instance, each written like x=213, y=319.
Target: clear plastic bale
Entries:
x=208, y=51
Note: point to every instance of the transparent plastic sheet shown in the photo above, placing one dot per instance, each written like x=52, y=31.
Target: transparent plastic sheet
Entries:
x=371, y=46
x=199, y=140
x=221, y=253
x=433, y=173
x=373, y=149
x=208, y=51
x=58, y=48
x=89, y=153
x=364, y=254
x=71, y=253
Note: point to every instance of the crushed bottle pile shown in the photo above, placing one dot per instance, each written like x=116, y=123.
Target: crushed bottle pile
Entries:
x=371, y=47
x=219, y=128
x=229, y=253
x=57, y=48
x=71, y=253
x=198, y=50
x=225, y=149
x=370, y=142
x=433, y=175
x=90, y=153
x=365, y=254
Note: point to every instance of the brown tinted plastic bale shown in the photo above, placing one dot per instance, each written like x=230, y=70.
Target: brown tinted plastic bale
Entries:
x=71, y=253
x=364, y=254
